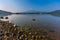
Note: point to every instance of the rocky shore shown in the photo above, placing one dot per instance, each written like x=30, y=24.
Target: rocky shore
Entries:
x=10, y=31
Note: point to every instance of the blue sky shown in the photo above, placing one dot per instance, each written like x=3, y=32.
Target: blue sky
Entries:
x=27, y=5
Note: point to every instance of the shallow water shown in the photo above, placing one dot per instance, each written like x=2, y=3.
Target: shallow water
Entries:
x=45, y=20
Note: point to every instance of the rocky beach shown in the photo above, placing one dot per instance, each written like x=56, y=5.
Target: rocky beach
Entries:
x=10, y=31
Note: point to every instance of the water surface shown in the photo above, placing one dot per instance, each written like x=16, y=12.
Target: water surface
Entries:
x=45, y=20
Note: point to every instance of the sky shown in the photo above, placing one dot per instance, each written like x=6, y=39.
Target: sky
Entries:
x=29, y=5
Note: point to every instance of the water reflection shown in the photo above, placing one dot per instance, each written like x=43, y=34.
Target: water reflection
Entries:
x=47, y=21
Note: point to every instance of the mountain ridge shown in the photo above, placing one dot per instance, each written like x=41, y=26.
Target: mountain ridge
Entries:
x=37, y=12
x=55, y=13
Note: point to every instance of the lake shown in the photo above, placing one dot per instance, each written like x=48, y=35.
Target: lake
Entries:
x=44, y=20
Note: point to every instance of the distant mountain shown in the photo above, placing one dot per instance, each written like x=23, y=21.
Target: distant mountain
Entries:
x=55, y=13
x=29, y=12
x=4, y=13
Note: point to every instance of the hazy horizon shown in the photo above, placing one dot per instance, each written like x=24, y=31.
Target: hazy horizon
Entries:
x=28, y=5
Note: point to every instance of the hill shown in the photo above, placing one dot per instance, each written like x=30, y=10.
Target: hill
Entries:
x=55, y=13
x=4, y=13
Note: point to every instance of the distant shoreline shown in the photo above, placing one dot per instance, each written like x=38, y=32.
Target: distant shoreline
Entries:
x=26, y=13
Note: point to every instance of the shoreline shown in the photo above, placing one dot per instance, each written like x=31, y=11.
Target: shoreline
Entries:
x=15, y=31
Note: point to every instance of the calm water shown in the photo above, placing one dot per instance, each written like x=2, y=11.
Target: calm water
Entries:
x=45, y=20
